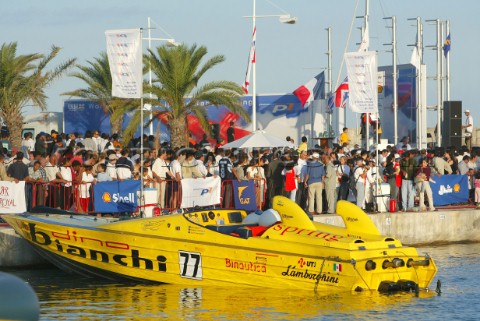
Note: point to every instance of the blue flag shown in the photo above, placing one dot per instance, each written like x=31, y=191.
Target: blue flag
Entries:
x=446, y=46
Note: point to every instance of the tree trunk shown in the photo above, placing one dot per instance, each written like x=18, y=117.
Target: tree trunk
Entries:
x=178, y=131
x=14, y=122
x=116, y=127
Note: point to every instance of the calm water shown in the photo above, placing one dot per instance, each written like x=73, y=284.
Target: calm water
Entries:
x=69, y=297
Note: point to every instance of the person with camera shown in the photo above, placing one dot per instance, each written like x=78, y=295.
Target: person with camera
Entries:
x=360, y=176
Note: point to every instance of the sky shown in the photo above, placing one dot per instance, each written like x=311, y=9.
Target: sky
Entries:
x=287, y=55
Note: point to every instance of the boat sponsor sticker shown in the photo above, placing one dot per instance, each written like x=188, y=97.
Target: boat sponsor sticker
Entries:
x=284, y=230
x=302, y=262
x=293, y=272
x=337, y=267
x=190, y=264
x=259, y=266
x=71, y=242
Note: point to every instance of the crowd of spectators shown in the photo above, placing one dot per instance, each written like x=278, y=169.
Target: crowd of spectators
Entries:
x=314, y=178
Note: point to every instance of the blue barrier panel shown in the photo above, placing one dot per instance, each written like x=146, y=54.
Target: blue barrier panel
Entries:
x=244, y=195
x=449, y=189
x=116, y=196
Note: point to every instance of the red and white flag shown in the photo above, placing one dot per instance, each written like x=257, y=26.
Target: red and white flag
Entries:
x=312, y=90
x=251, y=60
x=341, y=94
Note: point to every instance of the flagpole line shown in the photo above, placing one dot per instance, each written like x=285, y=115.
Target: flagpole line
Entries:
x=346, y=44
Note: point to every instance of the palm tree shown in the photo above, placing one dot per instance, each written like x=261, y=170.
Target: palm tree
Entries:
x=98, y=78
x=23, y=80
x=177, y=73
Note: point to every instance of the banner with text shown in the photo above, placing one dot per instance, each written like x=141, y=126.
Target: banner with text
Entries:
x=124, y=50
x=12, y=197
x=200, y=191
x=362, y=81
x=116, y=196
x=449, y=189
x=244, y=195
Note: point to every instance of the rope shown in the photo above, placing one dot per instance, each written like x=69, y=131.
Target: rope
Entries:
x=346, y=44
x=319, y=275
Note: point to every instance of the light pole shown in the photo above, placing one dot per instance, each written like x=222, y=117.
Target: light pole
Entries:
x=170, y=42
x=285, y=18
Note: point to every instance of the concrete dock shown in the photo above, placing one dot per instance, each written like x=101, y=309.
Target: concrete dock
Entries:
x=411, y=228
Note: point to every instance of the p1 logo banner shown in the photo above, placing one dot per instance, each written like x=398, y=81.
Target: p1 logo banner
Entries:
x=112, y=197
x=244, y=195
x=200, y=191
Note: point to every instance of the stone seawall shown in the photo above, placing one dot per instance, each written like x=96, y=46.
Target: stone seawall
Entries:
x=422, y=228
x=16, y=252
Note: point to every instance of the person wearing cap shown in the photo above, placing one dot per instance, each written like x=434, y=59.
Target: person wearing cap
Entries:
x=468, y=129
x=314, y=181
x=111, y=170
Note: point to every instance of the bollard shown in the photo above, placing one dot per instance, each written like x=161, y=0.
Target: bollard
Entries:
x=18, y=301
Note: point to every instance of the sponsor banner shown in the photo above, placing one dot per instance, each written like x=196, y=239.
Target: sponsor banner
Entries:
x=116, y=196
x=200, y=191
x=12, y=197
x=362, y=81
x=244, y=195
x=449, y=189
x=124, y=50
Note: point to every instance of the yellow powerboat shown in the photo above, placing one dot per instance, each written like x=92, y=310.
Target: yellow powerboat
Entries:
x=279, y=248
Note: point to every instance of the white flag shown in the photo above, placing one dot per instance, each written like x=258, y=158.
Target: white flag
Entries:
x=124, y=50
x=365, y=41
x=415, y=59
x=362, y=81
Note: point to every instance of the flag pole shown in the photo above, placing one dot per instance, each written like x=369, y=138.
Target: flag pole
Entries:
x=254, y=76
x=141, y=201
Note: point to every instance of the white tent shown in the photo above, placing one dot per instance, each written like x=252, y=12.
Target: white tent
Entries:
x=258, y=139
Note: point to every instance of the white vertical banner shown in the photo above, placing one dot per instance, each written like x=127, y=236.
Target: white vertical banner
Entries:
x=124, y=50
x=362, y=81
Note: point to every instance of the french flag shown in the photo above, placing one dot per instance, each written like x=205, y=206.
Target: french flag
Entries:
x=341, y=94
x=251, y=60
x=312, y=90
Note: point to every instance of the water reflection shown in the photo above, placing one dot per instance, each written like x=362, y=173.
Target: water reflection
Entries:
x=69, y=297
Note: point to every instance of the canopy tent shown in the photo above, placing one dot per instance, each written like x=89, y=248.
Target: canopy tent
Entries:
x=258, y=139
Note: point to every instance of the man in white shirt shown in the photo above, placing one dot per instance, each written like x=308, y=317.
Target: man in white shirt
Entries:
x=468, y=129
x=161, y=172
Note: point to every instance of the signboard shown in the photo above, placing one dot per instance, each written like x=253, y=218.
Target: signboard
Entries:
x=200, y=191
x=244, y=195
x=12, y=197
x=116, y=196
x=449, y=189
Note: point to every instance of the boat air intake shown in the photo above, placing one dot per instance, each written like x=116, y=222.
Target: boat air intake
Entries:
x=370, y=265
x=395, y=263
x=412, y=263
